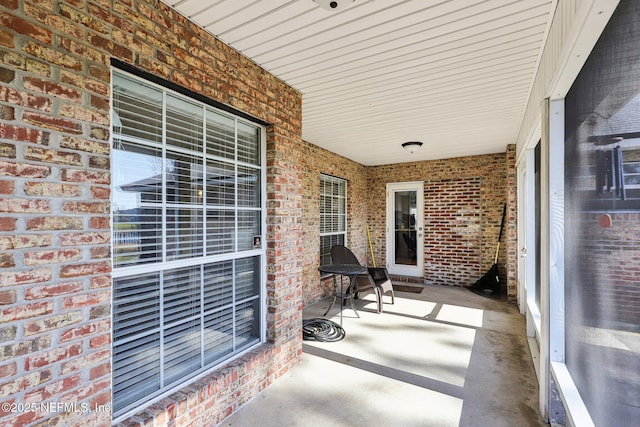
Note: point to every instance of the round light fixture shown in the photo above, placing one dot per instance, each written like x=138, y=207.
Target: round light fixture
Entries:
x=412, y=146
x=334, y=5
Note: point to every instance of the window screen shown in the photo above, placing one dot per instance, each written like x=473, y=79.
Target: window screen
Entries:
x=187, y=212
x=602, y=224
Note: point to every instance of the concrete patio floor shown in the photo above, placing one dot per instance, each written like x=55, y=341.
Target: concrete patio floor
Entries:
x=443, y=357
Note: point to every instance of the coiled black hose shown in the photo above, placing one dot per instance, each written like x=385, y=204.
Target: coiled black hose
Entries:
x=319, y=329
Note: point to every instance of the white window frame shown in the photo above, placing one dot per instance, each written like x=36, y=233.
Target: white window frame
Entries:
x=343, y=200
x=258, y=251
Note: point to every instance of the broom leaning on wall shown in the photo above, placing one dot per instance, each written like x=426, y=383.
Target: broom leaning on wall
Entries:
x=489, y=284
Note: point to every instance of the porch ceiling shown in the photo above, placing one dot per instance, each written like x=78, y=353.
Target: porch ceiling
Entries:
x=454, y=74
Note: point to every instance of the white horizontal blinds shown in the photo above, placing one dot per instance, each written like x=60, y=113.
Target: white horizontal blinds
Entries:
x=182, y=322
x=333, y=205
x=184, y=213
x=247, y=323
x=247, y=278
x=248, y=144
x=137, y=110
x=184, y=124
x=136, y=330
x=218, y=291
x=247, y=292
x=220, y=135
x=220, y=197
x=218, y=335
x=333, y=215
x=186, y=198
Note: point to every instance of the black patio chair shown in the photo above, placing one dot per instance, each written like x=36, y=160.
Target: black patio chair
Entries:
x=377, y=280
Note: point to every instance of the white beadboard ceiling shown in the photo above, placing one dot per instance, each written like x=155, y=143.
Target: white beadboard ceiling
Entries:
x=454, y=74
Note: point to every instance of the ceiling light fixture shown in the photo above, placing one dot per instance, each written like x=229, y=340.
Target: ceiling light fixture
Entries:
x=334, y=5
x=412, y=146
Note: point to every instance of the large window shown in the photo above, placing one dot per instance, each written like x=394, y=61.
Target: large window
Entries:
x=333, y=215
x=602, y=224
x=187, y=211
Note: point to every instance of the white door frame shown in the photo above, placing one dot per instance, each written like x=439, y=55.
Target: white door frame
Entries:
x=405, y=270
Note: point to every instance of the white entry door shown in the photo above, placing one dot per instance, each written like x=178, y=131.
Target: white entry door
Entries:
x=405, y=228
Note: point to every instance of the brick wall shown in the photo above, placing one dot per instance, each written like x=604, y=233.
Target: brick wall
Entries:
x=452, y=219
x=478, y=187
x=510, y=233
x=317, y=161
x=55, y=284
x=604, y=265
x=489, y=170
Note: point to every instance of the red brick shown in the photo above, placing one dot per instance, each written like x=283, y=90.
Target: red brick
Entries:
x=99, y=162
x=85, y=361
x=101, y=341
x=54, y=223
x=24, y=170
x=7, y=224
x=27, y=311
x=77, y=112
x=85, y=300
x=7, y=187
x=85, y=269
x=53, y=389
x=25, y=277
x=19, y=133
x=7, y=150
x=91, y=238
x=8, y=297
x=100, y=282
x=52, y=322
x=39, y=360
x=55, y=123
x=81, y=144
x=53, y=89
x=52, y=156
x=52, y=190
x=84, y=176
x=102, y=252
x=86, y=330
x=53, y=56
x=22, y=26
x=24, y=206
x=100, y=222
x=7, y=113
x=7, y=40
x=24, y=241
x=25, y=382
x=82, y=393
x=97, y=372
x=109, y=46
x=7, y=261
x=53, y=256
x=85, y=207
x=16, y=97
x=8, y=370
x=52, y=290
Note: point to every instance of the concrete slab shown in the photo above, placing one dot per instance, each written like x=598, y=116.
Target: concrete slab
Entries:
x=443, y=357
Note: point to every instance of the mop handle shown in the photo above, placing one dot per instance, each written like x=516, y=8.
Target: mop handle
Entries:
x=504, y=213
x=371, y=247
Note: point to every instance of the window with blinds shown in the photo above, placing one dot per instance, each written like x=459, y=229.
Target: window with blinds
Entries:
x=188, y=215
x=333, y=215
